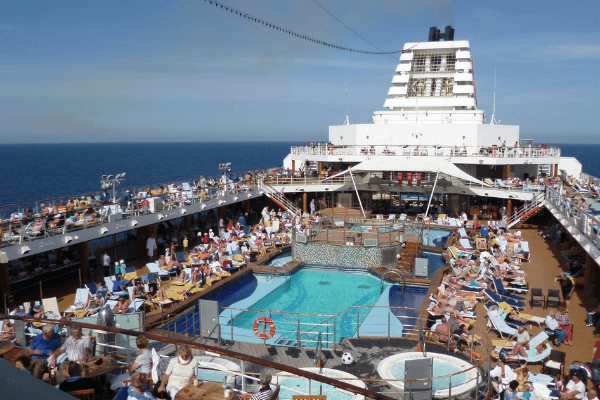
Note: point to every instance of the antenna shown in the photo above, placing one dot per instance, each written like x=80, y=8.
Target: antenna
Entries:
x=493, y=119
x=347, y=121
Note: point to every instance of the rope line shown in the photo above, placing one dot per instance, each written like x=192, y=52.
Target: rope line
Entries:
x=296, y=34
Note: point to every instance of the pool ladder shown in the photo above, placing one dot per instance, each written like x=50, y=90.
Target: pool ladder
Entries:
x=395, y=271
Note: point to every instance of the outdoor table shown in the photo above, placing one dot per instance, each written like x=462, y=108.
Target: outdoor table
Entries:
x=206, y=391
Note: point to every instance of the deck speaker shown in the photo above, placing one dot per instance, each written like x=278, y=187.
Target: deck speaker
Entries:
x=3, y=258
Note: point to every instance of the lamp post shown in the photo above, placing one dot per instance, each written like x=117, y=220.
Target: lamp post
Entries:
x=109, y=181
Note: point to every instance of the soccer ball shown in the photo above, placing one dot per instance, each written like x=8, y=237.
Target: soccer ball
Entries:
x=347, y=358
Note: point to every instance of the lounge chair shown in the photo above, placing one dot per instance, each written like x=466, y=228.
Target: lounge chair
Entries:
x=502, y=292
x=153, y=268
x=92, y=288
x=503, y=185
x=189, y=193
x=506, y=309
x=497, y=299
x=498, y=324
x=81, y=297
x=534, y=342
x=463, y=232
x=51, y=307
x=533, y=359
x=464, y=242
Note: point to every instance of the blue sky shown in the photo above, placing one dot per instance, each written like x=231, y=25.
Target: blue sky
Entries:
x=73, y=71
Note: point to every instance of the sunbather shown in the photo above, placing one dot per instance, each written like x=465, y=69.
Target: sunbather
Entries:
x=437, y=310
x=122, y=306
x=93, y=302
x=520, y=349
x=155, y=294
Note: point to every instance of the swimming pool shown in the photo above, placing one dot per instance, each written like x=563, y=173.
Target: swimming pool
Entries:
x=321, y=293
x=307, y=299
x=436, y=237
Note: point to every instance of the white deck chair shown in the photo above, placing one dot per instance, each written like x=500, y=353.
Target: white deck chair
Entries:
x=275, y=226
x=534, y=359
x=499, y=325
x=153, y=268
x=464, y=242
x=463, y=232
x=51, y=306
x=187, y=190
x=135, y=305
x=392, y=217
x=81, y=296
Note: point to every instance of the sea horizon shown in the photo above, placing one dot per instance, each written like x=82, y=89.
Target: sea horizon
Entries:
x=38, y=171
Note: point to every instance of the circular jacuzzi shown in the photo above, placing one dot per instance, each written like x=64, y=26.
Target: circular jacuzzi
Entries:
x=300, y=385
x=393, y=368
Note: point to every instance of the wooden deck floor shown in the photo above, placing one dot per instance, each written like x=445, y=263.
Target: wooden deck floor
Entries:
x=541, y=271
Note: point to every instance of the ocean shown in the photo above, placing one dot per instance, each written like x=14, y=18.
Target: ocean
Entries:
x=41, y=171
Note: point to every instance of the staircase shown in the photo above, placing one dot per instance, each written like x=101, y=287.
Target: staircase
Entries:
x=528, y=210
x=407, y=259
x=280, y=199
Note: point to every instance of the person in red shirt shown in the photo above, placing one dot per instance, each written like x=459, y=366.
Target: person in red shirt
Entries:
x=596, y=362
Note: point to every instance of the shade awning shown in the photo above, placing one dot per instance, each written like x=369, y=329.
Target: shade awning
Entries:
x=415, y=164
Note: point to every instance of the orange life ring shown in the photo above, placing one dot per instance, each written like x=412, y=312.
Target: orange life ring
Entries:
x=264, y=334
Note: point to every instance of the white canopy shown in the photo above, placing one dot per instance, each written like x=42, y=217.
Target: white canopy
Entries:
x=415, y=164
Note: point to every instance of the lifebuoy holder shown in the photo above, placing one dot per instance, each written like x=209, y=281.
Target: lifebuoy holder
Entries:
x=261, y=332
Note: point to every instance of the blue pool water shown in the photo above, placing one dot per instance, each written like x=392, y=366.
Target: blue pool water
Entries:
x=312, y=291
x=436, y=237
x=308, y=291
x=439, y=368
x=316, y=388
x=436, y=261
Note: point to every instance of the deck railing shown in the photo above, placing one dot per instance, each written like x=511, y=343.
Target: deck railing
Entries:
x=16, y=227
x=297, y=330
x=583, y=220
x=427, y=151
x=477, y=354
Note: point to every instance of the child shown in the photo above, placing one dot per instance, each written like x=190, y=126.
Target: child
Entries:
x=23, y=363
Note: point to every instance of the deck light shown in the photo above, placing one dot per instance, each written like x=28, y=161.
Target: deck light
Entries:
x=68, y=239
x=134, y=222
x=25, y=249
x=103, y=231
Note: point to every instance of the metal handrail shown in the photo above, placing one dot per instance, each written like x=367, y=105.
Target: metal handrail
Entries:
x=427, y=151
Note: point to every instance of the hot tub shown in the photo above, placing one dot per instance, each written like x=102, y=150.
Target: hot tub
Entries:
x=393, y=368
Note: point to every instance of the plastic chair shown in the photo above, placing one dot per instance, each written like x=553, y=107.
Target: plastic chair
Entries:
x=553, y=298
x=537, y=298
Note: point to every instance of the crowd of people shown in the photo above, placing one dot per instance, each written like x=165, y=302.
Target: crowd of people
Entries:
x=489, y=270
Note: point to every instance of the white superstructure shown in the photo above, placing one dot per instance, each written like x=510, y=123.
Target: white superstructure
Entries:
x=432, y=112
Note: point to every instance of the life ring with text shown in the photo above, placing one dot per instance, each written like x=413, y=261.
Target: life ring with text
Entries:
x=264, y=333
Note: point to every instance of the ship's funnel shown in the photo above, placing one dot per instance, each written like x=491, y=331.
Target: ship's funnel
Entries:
x=435, y=36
